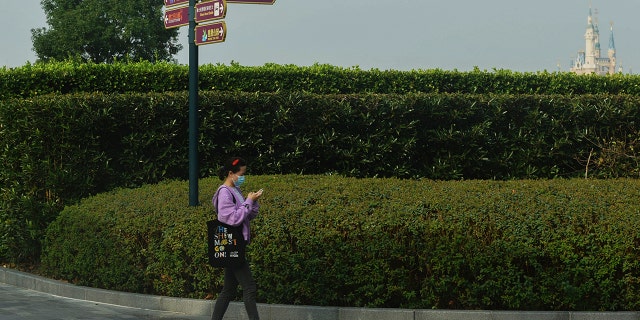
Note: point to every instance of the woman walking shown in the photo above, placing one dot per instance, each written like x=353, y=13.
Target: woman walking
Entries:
x=235, y=210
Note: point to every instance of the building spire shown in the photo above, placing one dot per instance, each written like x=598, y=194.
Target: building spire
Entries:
x=589, y=60
x=612, y=44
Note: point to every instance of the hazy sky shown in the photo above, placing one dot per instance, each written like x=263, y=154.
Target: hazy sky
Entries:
x=401, y=34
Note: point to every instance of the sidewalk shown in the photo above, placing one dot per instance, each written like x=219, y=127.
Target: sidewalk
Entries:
x=25, y=304
x=26, y=296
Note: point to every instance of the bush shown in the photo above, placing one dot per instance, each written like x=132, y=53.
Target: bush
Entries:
x=143, y=77
x=145, y=240
x=331, y=240
x=56, y=149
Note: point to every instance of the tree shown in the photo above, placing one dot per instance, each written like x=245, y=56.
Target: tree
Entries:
x=104, y=31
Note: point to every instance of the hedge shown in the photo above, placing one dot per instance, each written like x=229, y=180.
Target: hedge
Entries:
x=57, y=149
x=374, y=242
x=73, y=77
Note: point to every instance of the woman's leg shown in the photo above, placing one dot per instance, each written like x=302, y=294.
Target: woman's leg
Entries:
x=249, y=290
x=228, y=293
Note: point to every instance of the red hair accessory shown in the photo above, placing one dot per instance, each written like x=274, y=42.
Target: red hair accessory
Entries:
x=235, y=162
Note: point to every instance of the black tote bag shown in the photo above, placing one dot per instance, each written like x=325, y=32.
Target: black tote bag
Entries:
x=226, y=244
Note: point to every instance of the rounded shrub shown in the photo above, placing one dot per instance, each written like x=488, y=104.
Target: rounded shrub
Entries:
x=332, y=240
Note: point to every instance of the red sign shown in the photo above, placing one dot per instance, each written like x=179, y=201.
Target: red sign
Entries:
x=211, y=33
x=172, y=3
x=252, y=1
x=211, y=10
x=176, y=17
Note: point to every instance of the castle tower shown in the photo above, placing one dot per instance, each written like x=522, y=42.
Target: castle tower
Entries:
x=590, y=60
x=591, y=38
x=611, y=53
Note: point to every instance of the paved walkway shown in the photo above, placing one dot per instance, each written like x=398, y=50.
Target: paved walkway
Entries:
x=29, y=297
x=24, y=304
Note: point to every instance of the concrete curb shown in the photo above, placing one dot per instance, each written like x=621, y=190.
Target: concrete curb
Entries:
x=285, y=312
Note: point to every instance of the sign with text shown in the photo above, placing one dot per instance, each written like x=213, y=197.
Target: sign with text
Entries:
x=211, y=10
x=226, y=244
x=252, y=1
x=177, y=17
x=211, y=33
x=172, y=3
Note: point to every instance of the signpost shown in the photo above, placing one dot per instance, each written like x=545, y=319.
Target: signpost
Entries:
x=211, y=33
x=176, y=17
x=252, y=1
x=200, y=33
x=210, y=10
x=194, y=165
x=173, y=3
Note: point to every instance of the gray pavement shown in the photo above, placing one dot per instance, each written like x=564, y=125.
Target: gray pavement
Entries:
x=26, y=296
x=19, y=303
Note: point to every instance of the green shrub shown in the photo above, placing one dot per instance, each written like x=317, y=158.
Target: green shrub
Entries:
x=56, y=149
x=144, y=240
x=74, y=77
x=331, y=240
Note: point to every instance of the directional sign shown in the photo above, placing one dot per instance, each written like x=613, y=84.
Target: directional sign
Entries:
x=211, y=10
x=176, y=17
x=172, y=3
x=211, y=33
x=252, y=1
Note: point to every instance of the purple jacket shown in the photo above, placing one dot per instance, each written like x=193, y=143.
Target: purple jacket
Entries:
x=236, y=212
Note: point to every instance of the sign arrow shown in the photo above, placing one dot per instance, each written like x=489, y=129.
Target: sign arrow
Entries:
x=176, y=17
x=210, y=10
x=211, y=33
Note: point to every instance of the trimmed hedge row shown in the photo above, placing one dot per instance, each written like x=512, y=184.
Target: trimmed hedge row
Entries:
x=330, y=240
x=73, y=77
x=56, y=150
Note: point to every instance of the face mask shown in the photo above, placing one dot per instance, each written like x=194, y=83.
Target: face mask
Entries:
x=239, y=182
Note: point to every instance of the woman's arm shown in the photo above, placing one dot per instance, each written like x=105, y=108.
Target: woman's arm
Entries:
x=227, y=211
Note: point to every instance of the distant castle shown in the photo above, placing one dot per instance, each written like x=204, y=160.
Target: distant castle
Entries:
x=589, y=61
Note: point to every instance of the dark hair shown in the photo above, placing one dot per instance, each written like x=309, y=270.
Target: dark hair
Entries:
x=232, y=164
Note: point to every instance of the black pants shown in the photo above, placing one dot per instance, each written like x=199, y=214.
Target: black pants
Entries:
x=232, y=277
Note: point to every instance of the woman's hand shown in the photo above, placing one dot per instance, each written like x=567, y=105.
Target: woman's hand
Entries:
x=254, y=196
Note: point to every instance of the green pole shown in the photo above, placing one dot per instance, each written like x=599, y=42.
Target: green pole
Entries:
x=194, y=170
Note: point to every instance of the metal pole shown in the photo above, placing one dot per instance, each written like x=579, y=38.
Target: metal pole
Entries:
x=194, y=170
